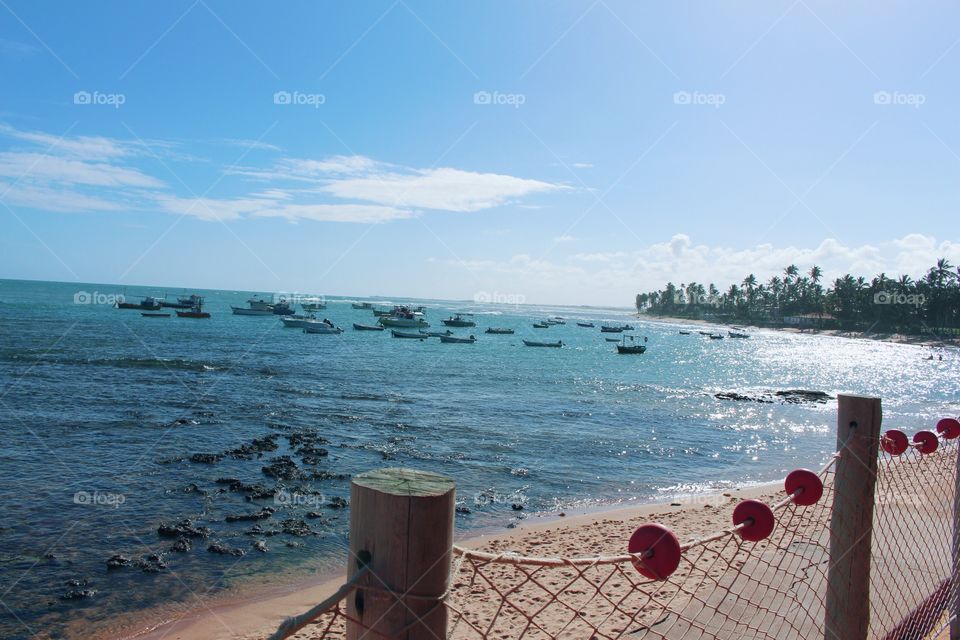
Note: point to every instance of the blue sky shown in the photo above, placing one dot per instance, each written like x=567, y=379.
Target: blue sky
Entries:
x=571, y=152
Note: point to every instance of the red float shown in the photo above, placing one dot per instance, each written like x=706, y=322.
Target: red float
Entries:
x=926, y=441
x=660, y=549
x=894, y=442
x=809, y=485
x=758, y=518
x=949, y=428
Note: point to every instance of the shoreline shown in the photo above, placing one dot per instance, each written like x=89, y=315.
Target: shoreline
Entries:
x=895, y=338
x=254, y=613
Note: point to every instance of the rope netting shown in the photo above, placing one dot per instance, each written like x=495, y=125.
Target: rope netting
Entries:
x=763, y=577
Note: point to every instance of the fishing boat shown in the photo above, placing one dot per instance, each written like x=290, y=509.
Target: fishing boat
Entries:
x=684, y=333
x=623, y=347
x=182, y=302
x=555, y=321
x=299, y=321
x=499, y=331
x=194, y=312
x=627, y=327
x=736, y=334
x=459, y=321
x=155, y=315
x=612, y=339
x=609, y=329
x=148, y=303
x=705, y=333
x=533, y=343
x=540, y=325
x=404, y=318
x=716, y=336
x=362, y=305
x=438, y=334
x=367, y=327
x=381, y=313
x=313, y=304
x=323, y=328
x=282, y=308
x=456, y=340
x=259, y=303
x=243, y=311
x=588, y=325
x=409, y=335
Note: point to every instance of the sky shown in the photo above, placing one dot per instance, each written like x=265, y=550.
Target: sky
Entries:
x=548, y=152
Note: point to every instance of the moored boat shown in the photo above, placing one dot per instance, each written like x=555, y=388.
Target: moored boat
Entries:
x=322, y=328
x=243, y=311
x=282, y=308
x=457, y=340
x=313, y=304
x=438, y=334
x=609, y=329
x=155, y=315
x=148, y=303
x=195, y=312
x=182, y=302
x=588, y=325
x=684, y=333
x=540, y=325
x=716, y=336
x=299, y=321
x=499, y=331
x=623, y=347
x=404, y=320
x=737, y=334
x=612, y=339
x=534, y=343
x=259, y=303
x=458, y=320
x=409, y=335
x=367, y=327
x=362, y=305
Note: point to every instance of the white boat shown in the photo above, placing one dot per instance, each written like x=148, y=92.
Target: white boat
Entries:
x=362, y=305
x=259, y=304
x=533, y=343
x=299, y=321
x=404, y=322
x=456, y=340
x=406, y=334
x=313, y=304
x=243, y=311
x=322, y=327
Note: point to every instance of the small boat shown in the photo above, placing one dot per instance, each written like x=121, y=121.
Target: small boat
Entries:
x=456, y=340
x=459, y=321
x=553, y=321
x=182, y=302
x=282, y=308
x=299, y=321
x=322, y=327
x=540, y=325
x=716, y=337
x=259, y=303
x=195, y=312
x=588, y=325
x=735, y=334
x=612, y=339
x=684, y=333
x=533, y=343
x=499, y=331
x=155, y=315
x=313, y=304
x=362, y=305
x=148, y=303
x=609, y=329
x=408, y=321
x=367, y=327
x=623, y=347
x=406, y=334
x=243, y=311
x=380, y=313
x=438, y=334
x=705, y=333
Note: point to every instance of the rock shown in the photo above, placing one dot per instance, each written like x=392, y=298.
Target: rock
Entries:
x=263, y=514
x=463, y=510
x=151, y=564
x=326, y=475
x=516, y=507
x=338, y=503
x=206, y=458
x=260, y=546
x=182, y=545
x=117, y=561
x=294, y=545
x=183, y=529
x=78, y=582
x=283, y=468
x=796, y=396
x=225, y=549
x=731, y=395
x=296, y=527
x=79, y=594
x=227, y=481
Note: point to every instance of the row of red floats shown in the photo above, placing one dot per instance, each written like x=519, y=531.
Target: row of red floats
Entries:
x=659, y=549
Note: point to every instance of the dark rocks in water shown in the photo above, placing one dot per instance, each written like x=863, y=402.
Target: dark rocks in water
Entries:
x=230, y=481
x=225, y=549
x=170, y=460
x=255, y=448
x=294, y=545
x=79, y=582
x=296, y=527
x=193, y=488
x=463, y=510
x=79, y=594
x=182, y=545
x=206, y=458
x=152, y=563
x=117, y=561
x=263, y=514
x=313, y=514
x=260, y=546
x=791, y=396
x=338, y=503
x=283, y=468
x=257, y=530
x=739, y=397
x=516, y=507
x=301, y=439
x=312, y=459
x=326, y=475
x=182, y=529
x=259, y=492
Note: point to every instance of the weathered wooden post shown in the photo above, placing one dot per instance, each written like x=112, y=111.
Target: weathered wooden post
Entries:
x=851, y=523
x=401, y=528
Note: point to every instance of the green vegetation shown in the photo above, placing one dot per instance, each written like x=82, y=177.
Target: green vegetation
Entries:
x=929, y=304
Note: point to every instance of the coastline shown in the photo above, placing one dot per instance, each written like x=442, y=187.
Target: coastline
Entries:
x=256, y=613
x=896, y=338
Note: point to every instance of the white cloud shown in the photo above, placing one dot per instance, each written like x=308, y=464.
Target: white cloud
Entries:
x=564, y=238
x=38, y=167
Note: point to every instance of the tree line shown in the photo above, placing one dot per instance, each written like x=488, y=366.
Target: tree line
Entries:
x=929, y=303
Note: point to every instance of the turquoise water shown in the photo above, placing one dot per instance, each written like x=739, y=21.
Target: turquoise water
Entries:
x=113, y=405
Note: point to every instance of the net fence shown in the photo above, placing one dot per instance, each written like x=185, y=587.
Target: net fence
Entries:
x=733, y=583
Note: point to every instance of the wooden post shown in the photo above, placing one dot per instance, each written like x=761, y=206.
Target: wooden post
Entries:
x=401, y=528
x=954, y=606
x=851, y=523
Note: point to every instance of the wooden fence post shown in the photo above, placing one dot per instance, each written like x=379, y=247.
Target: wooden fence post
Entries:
x=401, y=528
x=851, y=523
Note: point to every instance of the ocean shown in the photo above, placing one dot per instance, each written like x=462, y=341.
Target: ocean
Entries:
x=114, y=424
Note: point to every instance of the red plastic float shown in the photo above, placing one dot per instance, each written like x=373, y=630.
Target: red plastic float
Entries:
x=894, y=442
x=809, y=485
x=759, y=519
x=660, y=549
x=926, y=441
x=949, y=428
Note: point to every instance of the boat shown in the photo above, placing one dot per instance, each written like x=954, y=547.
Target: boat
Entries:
x=540, y=325
x=456, y=340
x=438, y=334
x=404, y=318
x=557, y=320
x=187, y=302
x=406, y=334
x=322, y=327
x=367, y=327
x=609, y=329
x=736, y=334
x=533, y=343
x=627, y=327
x=716, y=337
x=362, y=305
x=243, y=311
x=684, y=333
x=705, y=333
x=299, y=321
x=313, y=304
x=194, y=312
x=380, y=313
x=623, y=347
x=259, y=303
x=499, y=331
x=459, y=321
x=282, y=308
x=148, y=303
x=612, y=339
x=588, y=325
x=155, y=315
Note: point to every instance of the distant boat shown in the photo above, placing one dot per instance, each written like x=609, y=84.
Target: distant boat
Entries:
x=260, y=303
x=684, y=333
x=532, y=343
x=438, y=334
x=323, y=328
x=243, y=311
x=182, y=302
x=456, y=340
x=195, y=312
x=499, y=331
x=552, y=321
x=380, y=313
x=299, y=321
x=404, y=321
x=367, y=327
x=282, y=308
x=612, y=339
x=406, y=334
x=716, y=337
x=148, y=303
x=362, y=305
x=588, y=325
x=314, y=304
x=705, y=333
x=459, y=321
x=609, y=329
x=540, y=325
x=623, y=347
x=155, y=315
x=734, y=334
